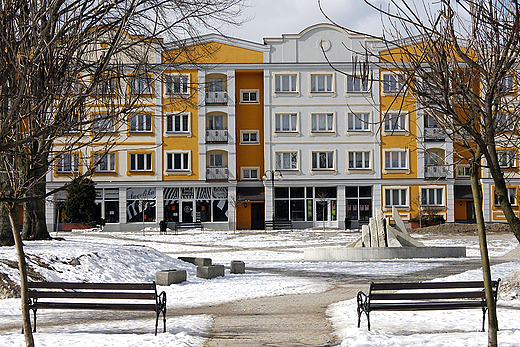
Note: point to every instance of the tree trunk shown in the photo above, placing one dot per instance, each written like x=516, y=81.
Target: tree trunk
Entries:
x=34, y=226
x=13, y=218
x=486, y=270
x=6, y=234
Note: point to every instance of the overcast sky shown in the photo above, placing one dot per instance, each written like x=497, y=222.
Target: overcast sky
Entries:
x=272, y=18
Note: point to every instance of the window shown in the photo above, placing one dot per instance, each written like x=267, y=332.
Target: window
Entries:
x=216, y=85
x=357, y=85
x=359, y=160
x=178, y=161
x=396, y=160
x=72, y=124
x=178, y=123
x=103, y=123
x=105, y=162
x=511, y=193
x=177, y=85
x=323, y=160
x=396, y=197
x=250, y=173
x=358, y=121
x=106, y=85
x=249, y=96
x=396, y=122
x=286, y=122
x=141, y=84
x=140, y=123
x=140, y=161
x=68, y=163
x=508, y=84
x=463, y=171
x=216, y=160
x=286, y=83
x=286, y=160
x=321, y=83
x=505, y=121
x=391, y=83
x=322, y=122
x=432, y=196
x=249, y=136
x=506, y=159
x=430, y=121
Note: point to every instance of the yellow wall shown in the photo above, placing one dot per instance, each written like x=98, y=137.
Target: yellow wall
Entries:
x=214, y=52
x=182, y=142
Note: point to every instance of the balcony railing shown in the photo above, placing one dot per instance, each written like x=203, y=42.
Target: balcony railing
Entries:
x=217, y=135
x=434, y=134
x=216, y=98
x=435, y=171
x=217, y=173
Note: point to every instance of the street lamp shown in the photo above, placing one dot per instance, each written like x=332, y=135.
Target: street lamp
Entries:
x=273, y=174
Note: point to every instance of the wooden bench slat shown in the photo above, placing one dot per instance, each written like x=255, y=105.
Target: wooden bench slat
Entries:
x=417, y=306
x=427, y=285
x=95, y=306
x=81, y=285
x=428, y=296
x=93, y=295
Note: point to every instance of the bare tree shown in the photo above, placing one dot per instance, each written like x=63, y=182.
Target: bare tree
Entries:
x=71, y=74
x=458, y=62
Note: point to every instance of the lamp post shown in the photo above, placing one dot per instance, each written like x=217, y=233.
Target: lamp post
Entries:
x=273, y=174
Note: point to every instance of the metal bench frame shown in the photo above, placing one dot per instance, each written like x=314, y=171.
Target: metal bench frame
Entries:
x=424, y=296
x=114, y=296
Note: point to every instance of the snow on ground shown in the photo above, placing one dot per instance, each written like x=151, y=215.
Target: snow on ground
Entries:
x=135, y=257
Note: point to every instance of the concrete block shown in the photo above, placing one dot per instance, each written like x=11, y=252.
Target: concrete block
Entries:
x=197, y=261
x=210, y=271
x=237, y=267
x=374, y=253
x=167, y=277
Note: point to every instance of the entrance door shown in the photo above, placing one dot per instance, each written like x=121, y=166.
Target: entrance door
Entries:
x=470, y=212
x=326, y=213
x=257, y=216
x=187, y=211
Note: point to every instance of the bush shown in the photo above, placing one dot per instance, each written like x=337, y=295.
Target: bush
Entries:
x=80, y=204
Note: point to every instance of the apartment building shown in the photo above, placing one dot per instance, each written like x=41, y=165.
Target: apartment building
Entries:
x=303, y=127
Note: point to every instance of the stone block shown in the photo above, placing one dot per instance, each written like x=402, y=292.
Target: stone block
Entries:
x=237, y=267
x=197, y=261
x=210, y=271
x=167, y=277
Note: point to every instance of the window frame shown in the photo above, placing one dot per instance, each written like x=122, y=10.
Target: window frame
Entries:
x=508, y=84
x=249, y=92
x=184, y=160
x=352, y=85
x=296, y=83
x=111, y=157
x=290, y=114
x=96, y=129
x=364, y=152
x=74, y=164
x=98, y=90
x=169, y=84
x=396, y=85
x=512, y=160
x=428, y=190
x=182, y=131
x=295, y=155
x=353, y=116
x=400, y=117
x=405, y=190
x=243, y=169
x=509, y=195
x=137, y=131
x=144, y=89
x=249, y=142
x=330, y=157
x=314, y=82
x=398, y=168
x=148, y=159
x=329, y=117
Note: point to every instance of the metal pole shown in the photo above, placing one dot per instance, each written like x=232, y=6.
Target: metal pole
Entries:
x=272, y=191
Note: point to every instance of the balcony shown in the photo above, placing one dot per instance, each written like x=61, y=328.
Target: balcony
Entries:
x=435, y=171
x=434, y=134
x=216, y=98
x=216, y=136
x=217, y=173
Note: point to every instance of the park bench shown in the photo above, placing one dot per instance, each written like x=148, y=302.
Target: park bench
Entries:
x=423, y=296
x=97, y=296
x=176, y=226
x=278, y=225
